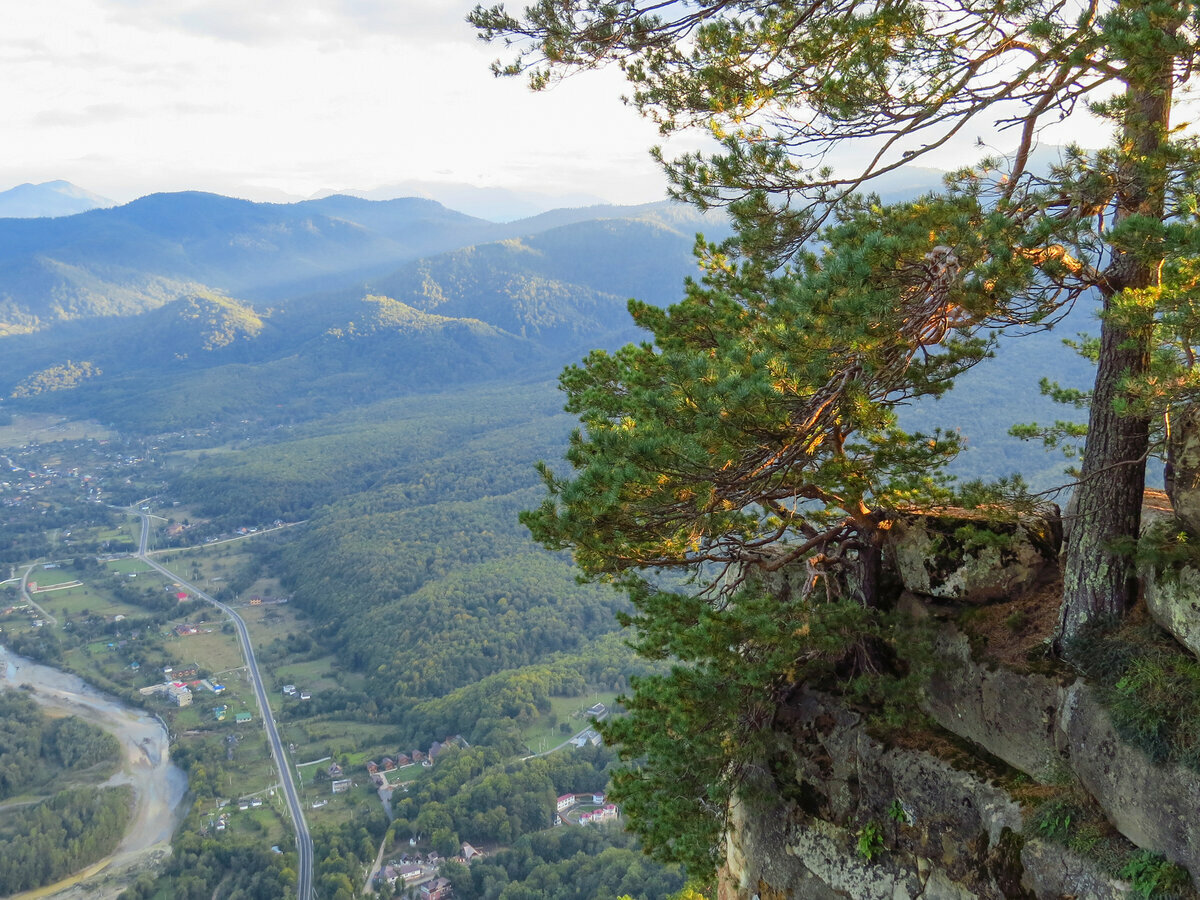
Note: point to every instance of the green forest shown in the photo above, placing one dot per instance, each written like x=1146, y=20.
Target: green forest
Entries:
x=37, y=751
x=51, y=837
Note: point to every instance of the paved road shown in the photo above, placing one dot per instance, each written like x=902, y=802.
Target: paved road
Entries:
x=28, y=598
x=559, y=747
x=304, y=846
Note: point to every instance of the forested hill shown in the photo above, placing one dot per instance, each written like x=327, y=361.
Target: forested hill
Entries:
x=515, y=308
x=122, y=260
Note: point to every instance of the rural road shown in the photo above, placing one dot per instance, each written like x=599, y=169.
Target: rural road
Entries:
x=304, y=846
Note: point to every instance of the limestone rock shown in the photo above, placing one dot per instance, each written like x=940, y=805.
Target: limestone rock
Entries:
x=957, y=554
x=1173, y=599
x=1152, y=805
x=959, y=839
x=1013, y=716
x=1052, y=870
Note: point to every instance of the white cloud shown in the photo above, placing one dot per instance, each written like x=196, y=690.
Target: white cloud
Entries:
x=129, y=96
x=259, y=24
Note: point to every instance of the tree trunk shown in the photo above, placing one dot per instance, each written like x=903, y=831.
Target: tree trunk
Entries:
x=1099, y=578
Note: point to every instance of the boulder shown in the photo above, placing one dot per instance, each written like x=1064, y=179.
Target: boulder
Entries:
x=972, y=556
x=1012, y=715
x=1173, y=599
x=1182, y=475
x=961, y=836
x=1154, y=805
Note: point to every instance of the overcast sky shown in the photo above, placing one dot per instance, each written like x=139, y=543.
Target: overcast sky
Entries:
x=281, y=99
x=267, y=98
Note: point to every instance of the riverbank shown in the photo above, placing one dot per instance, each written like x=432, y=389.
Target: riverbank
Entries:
x=159, y=786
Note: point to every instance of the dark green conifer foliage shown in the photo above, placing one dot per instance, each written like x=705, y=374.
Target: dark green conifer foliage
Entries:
x=784, y=86
x=757, y=430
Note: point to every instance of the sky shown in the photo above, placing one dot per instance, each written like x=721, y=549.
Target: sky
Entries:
x=283, y=99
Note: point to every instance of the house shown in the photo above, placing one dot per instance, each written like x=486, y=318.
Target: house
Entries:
x=598, y=798
x=591, y=736
x=289, y=690
x=335, y=771
x=410, y=873
x=599, y=711
x=305, y=695
x=388, y=764
x=256, y=601
x=469, y=852
x=435, y=749
x=417, y=756
x=566, y=801
x=604, y=814
x=181, y=694
x=242, y=718
x=372, y=767
x=403, y=760
x=341, y=785
x=438, y=889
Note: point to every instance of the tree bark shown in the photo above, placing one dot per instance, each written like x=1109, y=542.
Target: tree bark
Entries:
x=1100, y=579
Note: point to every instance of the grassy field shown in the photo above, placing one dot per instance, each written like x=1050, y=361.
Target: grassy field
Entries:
x=546, y=732
x=88, y=597
x=50, y=577
x=309, y=675
x=126, y=566
x=47, y=427
x=213, y=650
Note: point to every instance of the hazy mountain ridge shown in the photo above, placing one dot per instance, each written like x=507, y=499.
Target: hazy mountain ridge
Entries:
x=520, y=306
x=48, y=199
x=130, y=258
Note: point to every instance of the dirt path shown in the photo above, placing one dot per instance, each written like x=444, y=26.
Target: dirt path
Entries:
x=158, y=786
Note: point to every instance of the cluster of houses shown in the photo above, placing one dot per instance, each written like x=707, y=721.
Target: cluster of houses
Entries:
x=221, y=713
x=413, y=871
x=181, y=692
x=604, y=811
x=259, y=600
x=290, y=690
x=400, y=760
x=222, y=820
x=187, y=629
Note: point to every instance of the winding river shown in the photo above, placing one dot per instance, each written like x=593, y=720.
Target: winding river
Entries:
x=159, y=786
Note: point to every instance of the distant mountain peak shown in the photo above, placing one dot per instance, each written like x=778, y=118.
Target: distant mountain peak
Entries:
x=49, y=199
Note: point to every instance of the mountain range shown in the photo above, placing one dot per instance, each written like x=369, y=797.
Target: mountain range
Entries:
x=315, y=300
x=48, y=199
x=181, y=309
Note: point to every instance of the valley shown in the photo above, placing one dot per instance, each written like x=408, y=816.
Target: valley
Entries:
x=338, y=461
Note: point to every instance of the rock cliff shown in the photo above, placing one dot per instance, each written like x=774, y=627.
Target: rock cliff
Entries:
x=1019, y=786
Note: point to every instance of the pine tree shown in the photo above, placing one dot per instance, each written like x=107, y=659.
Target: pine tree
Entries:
x=785, y=86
